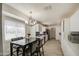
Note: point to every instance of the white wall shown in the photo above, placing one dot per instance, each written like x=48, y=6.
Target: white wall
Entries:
x=70, y=24
x=1, y=45
x=74, y=22
x=58, y=30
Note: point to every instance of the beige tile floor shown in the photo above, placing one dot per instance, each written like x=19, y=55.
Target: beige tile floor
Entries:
x=52, y=48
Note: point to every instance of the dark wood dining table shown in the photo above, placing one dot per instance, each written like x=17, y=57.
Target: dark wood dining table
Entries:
x=23, y=44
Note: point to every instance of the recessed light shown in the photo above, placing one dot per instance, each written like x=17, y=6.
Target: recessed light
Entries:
x=49, y=7
x=30, y=12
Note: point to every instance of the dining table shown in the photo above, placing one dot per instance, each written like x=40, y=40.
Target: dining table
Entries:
x=23, y=44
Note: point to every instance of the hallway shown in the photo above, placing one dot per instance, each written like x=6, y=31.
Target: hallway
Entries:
x=52, y=48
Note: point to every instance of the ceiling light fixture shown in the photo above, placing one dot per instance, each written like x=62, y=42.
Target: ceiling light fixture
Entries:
x=31, y=21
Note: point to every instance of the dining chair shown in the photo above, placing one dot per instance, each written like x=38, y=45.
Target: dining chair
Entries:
x=41, y=43
x=16, y=48
x=40, y=47
x=34, y=46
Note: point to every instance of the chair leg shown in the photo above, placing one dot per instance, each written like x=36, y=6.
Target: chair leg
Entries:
x=17, y=51
x=39, y=52
x=42, y=50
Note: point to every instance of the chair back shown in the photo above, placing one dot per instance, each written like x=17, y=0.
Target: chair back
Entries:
x=20, y=38
x=15, y=39
x=41, y=42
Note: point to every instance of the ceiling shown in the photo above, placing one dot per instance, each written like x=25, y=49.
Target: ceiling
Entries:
x=47, y=13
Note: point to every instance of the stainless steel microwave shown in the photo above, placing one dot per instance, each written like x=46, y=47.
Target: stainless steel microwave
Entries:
x=74, y=37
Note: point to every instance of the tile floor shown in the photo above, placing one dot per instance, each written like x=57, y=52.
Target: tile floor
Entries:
x=52, y=48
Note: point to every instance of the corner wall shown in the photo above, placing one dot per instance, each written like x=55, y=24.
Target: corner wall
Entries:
x=58, y=30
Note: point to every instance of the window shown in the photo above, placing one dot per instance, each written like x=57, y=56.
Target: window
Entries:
x=14, y=29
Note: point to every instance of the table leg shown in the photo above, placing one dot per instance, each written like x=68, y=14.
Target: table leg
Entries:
x=30, y=47
x=11, y=49
x=23, y=51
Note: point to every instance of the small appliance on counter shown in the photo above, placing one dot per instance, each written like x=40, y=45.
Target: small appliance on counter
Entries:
x=74, y=37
